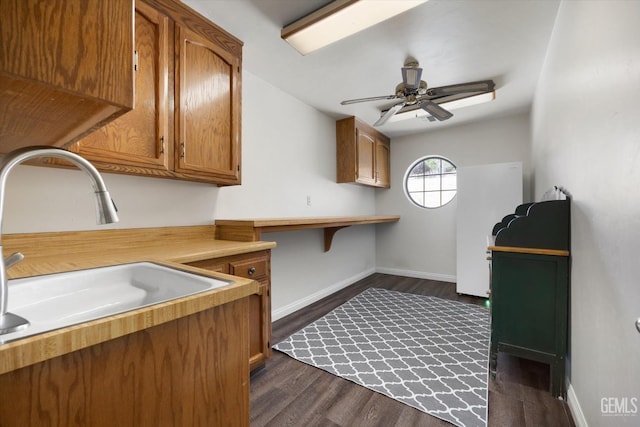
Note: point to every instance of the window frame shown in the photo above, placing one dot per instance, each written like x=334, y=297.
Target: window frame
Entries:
x=440, y=190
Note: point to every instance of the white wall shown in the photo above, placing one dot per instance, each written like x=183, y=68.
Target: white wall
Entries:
x=423, y=243
x=288, y=153
x=586, y=138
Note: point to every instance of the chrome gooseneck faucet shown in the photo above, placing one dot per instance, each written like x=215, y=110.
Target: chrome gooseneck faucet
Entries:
x=106, y=214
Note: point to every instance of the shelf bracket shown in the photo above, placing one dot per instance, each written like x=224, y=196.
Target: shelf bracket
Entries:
x=328, y=236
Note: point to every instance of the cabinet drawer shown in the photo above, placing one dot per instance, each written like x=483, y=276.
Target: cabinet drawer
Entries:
x=212, y=265
x=251, y=269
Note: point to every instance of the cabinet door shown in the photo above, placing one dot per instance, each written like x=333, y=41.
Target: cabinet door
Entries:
x=365, y=157
x=383, y=175
x=257, y=268
x=208, y=109
x=527, y=291
x=138, y=138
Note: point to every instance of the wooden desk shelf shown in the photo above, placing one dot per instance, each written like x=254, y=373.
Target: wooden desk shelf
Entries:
x=250, y=230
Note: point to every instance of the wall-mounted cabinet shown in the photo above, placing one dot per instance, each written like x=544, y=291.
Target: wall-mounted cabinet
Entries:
x=186, y=62
x=363, y=154
x=66, y=68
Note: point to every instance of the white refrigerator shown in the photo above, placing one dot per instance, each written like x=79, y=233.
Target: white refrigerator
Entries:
x=486, y=193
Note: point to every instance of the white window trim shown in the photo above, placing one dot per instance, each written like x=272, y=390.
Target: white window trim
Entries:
x=408, y=171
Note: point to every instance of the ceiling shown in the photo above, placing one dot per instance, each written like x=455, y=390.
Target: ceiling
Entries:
x=455, y=41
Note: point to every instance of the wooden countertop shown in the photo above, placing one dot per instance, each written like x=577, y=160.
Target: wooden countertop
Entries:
x=47, y=253
x=535, y=251
x=251, y=229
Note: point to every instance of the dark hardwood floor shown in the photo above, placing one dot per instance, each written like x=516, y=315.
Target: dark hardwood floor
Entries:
x=290, y=393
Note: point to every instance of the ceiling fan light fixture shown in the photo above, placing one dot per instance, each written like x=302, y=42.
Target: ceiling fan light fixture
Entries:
x=340, y=19
x=411, y=77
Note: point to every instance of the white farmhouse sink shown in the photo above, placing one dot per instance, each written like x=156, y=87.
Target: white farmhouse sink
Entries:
x=63, y=299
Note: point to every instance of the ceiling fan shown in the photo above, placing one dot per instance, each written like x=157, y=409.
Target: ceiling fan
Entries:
x=414, y=93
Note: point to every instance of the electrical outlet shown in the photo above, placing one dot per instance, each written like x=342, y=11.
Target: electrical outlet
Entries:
x=308, y=200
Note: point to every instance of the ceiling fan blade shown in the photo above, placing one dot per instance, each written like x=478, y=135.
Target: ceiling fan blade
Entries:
x=390, y=112
x=435, y=110
x=373, y=98
x=480, y=86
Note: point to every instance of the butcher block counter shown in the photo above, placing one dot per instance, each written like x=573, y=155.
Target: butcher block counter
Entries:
x=47, y=253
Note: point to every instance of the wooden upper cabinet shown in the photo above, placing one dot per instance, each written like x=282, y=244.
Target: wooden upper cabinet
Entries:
x=138, y=138
x=66, y=68
x=363, y=154
x=186, y=120
x=208, y=108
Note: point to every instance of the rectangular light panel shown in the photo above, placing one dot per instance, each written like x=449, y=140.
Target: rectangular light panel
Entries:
x=341, y=19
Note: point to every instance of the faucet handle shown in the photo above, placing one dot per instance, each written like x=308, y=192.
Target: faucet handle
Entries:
x=12, y=260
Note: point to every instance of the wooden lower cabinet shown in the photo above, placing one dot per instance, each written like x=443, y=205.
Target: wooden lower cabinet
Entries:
x=256, y=266
x=187, y=372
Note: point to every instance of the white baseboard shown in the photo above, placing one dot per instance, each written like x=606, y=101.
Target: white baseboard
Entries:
x=417, y=274
x=574, y=407
x=309, y=299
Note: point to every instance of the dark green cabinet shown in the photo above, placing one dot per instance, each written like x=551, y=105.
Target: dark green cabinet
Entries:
x=530, y=286
x=529, y=310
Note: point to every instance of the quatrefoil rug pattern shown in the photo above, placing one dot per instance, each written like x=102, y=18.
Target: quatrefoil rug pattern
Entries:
x=427, y=352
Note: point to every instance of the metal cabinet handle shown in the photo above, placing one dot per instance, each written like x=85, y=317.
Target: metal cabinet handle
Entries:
x=638, y=324
x=251, y=271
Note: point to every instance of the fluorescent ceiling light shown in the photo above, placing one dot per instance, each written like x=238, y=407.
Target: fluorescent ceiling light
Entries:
x=454, y=104
x=340, y=19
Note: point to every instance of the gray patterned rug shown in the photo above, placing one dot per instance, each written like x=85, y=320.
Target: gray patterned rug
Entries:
x=427, y=352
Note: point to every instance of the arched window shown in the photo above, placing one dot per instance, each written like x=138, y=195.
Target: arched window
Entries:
x=430, y=182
